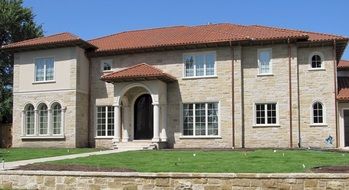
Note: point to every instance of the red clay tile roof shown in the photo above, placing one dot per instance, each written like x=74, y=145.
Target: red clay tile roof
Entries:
x=61, y=39
x=343, y=88
x=343, y=65
x=203, y=34
x=138, y=72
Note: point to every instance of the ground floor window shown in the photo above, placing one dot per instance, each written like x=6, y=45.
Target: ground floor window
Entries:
x=105, y=121
x=44, y=121
x=266, y=114
x=200, y=119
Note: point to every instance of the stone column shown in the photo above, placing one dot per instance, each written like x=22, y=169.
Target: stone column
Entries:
x=164, y=123
x=156, y=120
x=117, y=123
x=125, y=125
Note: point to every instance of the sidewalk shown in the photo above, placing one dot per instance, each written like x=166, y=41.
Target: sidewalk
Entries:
x=15, y=164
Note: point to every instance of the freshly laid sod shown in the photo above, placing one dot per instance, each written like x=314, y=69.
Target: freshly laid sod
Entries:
x=14, y=154
x=258, y=161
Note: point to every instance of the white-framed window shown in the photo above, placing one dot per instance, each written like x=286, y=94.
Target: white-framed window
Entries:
x=199, y=64
x=105, y=121
x=43, y=123
x=200, y=119
x=266, y=114
x=43, y=119
x=29, y=121
x=264, y=61
x=318, y=113
x=56, y=121
x=106, y=65
x=316, y=61
x=44, y=69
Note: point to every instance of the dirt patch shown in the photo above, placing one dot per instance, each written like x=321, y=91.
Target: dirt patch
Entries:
x=58, y=167
x=330, y=169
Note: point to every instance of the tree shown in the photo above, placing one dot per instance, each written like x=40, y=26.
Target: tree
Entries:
x=16, y=24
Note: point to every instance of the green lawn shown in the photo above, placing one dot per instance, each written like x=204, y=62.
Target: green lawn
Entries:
x=259, y=161
x=14, y=154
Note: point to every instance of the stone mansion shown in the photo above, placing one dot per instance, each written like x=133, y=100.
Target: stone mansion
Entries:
x=207, y=86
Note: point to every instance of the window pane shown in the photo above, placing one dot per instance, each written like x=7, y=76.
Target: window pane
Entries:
x=110, y=121
x=212, y=117
x=29, y=120
x=200, y=119
x=101, y=116
x=189, y=66
x=200, y=62
x=271, y=113
x=56, y=119
x=316, y=61
x=188, y=119
x=39, y=69
x=49, y=68
x=317, y=113
x=210, y=64
x=264, y=58
x=43, y=117
x=260, y=114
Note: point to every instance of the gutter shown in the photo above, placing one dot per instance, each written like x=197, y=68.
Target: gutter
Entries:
x=290, y=89
x=335, y=88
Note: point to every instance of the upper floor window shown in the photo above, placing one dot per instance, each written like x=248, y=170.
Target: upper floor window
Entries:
x=44, y=69
x=200, y=119
x=316, y=61
x=106, y=65
x=264, y=61
x=200, y=64
x=318, y=113
x=266, y=114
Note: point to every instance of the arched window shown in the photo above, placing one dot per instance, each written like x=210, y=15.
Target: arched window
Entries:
x=318, y=113
x=316, y=61
x=29, y=119
x=43, y=119
x=56, y=122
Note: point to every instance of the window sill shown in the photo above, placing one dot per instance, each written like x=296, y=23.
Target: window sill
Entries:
x=43, y=137
x=318, y=125
x=265, y=75
x=104, y=137
x=200, y=137
x=199, y=77
x=43, y=82
x=316, y=69
x=107, y=71
x=266, y=126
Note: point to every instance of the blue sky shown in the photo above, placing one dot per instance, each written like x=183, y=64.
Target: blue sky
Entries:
x=93, y=18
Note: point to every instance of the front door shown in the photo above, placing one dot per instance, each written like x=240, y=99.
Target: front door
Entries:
x=143, y=117
x=346, y=127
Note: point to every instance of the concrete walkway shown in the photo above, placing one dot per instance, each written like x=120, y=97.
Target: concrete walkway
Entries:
x=16, y=164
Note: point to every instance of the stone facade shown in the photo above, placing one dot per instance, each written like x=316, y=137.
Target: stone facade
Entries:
x=237, y=87
x=204, y=181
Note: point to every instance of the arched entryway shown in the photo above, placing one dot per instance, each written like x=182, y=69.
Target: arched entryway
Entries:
x=143, y=117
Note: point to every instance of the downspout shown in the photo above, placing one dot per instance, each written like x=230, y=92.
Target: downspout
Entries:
x=242, y=102
x=89, y=104
x=298, y=108
x=233, y=96
x=290, y=89
x=335, y=89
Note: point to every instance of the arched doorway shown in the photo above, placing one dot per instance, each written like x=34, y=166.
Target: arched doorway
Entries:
x=143, y=117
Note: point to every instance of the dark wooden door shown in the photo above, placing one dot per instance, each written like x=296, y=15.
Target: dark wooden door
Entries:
x=143, y=117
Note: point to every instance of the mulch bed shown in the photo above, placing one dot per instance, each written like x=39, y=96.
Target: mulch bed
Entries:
x=330, y=169
x=58, y=167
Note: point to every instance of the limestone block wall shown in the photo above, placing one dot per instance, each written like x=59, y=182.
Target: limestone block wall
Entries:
x=115, y=180
x=184, y=90
x=317, y=85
